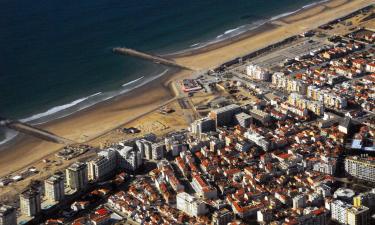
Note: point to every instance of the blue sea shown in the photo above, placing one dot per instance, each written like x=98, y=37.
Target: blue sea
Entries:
x=56, y=58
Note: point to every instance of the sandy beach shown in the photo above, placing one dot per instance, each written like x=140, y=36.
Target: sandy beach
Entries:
x=91, y=123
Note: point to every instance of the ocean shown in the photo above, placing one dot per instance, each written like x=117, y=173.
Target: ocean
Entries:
x=56, y=58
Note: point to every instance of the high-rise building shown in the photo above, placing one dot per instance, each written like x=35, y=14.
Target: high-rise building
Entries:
x=158, y=151
x=203, y=125
x=339, y=211
x=30, y=202
x=76, y=176
x=365, y=199
x=191, y=205
x=225, y=115
x=243, y=119
x=8, y=215
x=358, y=216
x=103, y=165
x=145, y=148
x=362, y=168
x=54, y=188
x=129, y=158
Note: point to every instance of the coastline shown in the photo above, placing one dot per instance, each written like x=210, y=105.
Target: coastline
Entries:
x=256, y=29
x=92, y=122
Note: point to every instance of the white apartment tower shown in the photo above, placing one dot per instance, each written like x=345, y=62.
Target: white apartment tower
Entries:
x=54, y=188
x=8, y=215
x=76, y=176
x=103, y=165
x=30, y=203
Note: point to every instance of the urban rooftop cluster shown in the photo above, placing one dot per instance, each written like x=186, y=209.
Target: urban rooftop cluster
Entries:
x=302, y=153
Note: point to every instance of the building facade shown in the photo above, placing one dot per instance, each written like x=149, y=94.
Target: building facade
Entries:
x=8, y=215
x=358, y=216
x=129, y=158
x=77, y=176
x=103, y=165
x=190, y=205
x=30, y=203
x=158, y=151
x=54, y=188
x=361, y=168
x=225, y=115
x=243, y=119
x=257, y=73
x=203, y=125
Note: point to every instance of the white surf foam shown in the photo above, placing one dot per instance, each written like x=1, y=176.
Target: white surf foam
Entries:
x=244, y=28
x=133, y=81
x=57, y=109
x=9, y=135
x=284, y=15
x=314, y=4
x=296, y=11
x=196, y=44
x=86, y=102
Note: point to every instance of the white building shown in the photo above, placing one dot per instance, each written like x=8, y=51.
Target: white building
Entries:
x=145, y=147
x=76, y=176
x=257, y=73
x=344, y=194
x=370, y=67
x=323, y=190
x=339, y=211
x=203, y=125
x=326, y=166
x=362, y=168
x=327, y=97
x=191, y=205
x=243, y=119
x=158, y=151
x=300, y=102
x=129, y=158
x=30, y=203
x=8, y=215
x=258, y=140
x=103, y=165
x=264, y=216
x=289, y=84
x=54, y=188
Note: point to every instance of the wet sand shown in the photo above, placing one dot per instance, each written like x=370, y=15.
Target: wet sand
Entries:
x=91, y=123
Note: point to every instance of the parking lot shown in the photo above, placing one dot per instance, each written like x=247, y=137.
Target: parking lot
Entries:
x=296, y=49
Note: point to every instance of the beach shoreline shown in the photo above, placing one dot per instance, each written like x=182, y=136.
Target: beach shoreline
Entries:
x=93, y=122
